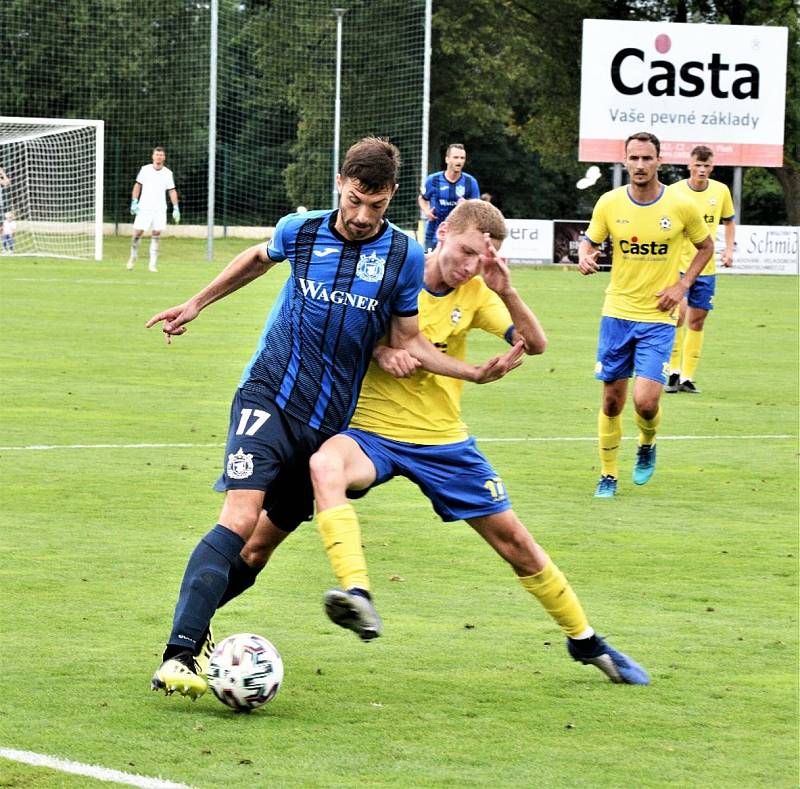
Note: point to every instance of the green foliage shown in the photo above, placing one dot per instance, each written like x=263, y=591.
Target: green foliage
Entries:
x=695, y=574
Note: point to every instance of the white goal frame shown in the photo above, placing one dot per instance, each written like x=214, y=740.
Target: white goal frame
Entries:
x=60, y=125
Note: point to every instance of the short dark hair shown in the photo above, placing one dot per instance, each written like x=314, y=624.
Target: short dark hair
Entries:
x=159, y=148
x=373, y=162
x=458, y=145
x=645, y=137
x=702, y=153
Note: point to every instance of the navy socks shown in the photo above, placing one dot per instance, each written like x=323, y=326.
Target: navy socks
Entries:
x=204, y=583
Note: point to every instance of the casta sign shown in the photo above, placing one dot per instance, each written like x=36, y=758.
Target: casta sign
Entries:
x=690, y=84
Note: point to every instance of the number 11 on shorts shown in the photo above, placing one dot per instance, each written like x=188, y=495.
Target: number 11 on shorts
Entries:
x=259, y=416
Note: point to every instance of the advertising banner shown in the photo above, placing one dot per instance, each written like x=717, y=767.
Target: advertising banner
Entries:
x=723, y=86
x=528, y=241
x=567, y=236
x=761, y=249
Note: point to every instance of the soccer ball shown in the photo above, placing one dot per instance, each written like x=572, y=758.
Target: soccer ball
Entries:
x=245, y=671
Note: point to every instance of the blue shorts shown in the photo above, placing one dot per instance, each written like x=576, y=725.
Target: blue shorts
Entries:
x=625, y=348
x=269, y=450
x=701, y=294
x=459, y=481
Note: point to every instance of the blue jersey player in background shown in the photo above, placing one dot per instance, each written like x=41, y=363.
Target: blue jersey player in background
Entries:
x=444, y=190
x=354, y=277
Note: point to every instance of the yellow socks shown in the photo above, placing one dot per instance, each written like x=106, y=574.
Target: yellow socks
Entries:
x=341, y=536
x=552, y=590
x=609, y=431
x=677, y=349
x=692, y=347
x=647, y=427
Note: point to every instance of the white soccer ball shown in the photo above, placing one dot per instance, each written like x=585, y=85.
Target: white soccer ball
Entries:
x=245, y=671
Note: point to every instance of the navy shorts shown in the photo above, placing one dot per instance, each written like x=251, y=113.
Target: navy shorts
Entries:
x=625, y=347
x=701, y=293
x=459, y=481
x=269, y=450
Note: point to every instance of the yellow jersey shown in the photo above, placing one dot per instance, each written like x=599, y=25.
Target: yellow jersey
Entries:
x=426, y=408
x=647, y=246
x=716, y=205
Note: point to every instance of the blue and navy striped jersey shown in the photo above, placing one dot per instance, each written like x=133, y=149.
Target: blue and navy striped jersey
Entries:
x=336, y=304
x=443, y=196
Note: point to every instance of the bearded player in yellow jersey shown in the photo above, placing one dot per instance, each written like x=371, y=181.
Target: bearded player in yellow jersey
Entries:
x=408, y=423
x=647, y=224
x=713, y=199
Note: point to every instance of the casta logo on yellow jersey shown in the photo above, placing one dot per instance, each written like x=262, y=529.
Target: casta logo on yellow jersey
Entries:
x=636, y=247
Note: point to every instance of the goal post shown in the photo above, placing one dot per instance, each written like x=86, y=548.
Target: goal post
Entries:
x=51, y=186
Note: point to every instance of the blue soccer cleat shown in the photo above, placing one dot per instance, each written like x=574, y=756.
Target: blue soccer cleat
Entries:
x=606, y=487
x=645, y=463
x=353, y=609
x=619, y=668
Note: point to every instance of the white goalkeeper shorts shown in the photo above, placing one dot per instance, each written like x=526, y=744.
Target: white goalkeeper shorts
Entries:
x=150, y=219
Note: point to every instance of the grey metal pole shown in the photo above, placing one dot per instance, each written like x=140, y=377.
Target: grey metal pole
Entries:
x=212, y=124
x=737, y=193
x=617, y=175
x=337, y=106
x=426, y=92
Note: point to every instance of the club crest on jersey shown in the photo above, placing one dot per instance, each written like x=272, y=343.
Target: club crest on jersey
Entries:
x=240, y=465
x=665, y=223
x=370, y=268
x=460, y=190
x=455, y=316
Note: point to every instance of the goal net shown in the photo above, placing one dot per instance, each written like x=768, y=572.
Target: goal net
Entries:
x=51, y=187
x=275, y=96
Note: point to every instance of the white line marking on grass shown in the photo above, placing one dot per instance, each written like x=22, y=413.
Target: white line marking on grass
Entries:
x=554, y=439
x=780, y=436
x=90, y=770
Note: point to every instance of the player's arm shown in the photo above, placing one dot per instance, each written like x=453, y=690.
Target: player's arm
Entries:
x=244, y=268
x=425, y=207
x=730, y=239
x=405, y=335
x=673, y=295
x=497, y=276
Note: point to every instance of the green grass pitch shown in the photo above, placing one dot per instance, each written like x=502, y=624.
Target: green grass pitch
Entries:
x=694, y=575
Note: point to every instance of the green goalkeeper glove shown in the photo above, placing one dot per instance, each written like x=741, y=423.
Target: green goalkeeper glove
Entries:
x=134, y=206
x=176, y=215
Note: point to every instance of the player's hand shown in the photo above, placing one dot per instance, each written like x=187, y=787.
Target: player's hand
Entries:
x=134, y=206
x=174, y=319
x=395, y=361
x=497, y=367
x=431, y=214
x=176, y=215
x=726, y=258
x=670, y=297
x=587, y=263
x=494, y=269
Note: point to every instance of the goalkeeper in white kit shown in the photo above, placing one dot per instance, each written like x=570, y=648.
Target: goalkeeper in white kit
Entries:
x=149, y=205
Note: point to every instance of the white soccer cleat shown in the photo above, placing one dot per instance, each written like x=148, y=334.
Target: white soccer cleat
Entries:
x=130, y=265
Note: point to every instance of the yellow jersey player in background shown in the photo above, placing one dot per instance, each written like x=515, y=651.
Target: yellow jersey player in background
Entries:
x=408, y=423
x=647, y=224
x=713, y=199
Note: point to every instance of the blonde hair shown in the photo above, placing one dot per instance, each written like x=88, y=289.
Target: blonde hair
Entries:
x=479, y=214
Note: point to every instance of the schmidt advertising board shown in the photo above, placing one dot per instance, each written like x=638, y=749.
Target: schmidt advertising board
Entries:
x=690, y=84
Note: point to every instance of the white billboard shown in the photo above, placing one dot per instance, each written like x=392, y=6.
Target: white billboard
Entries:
x=689, y=84
x=761, y=249
x=530, y=240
